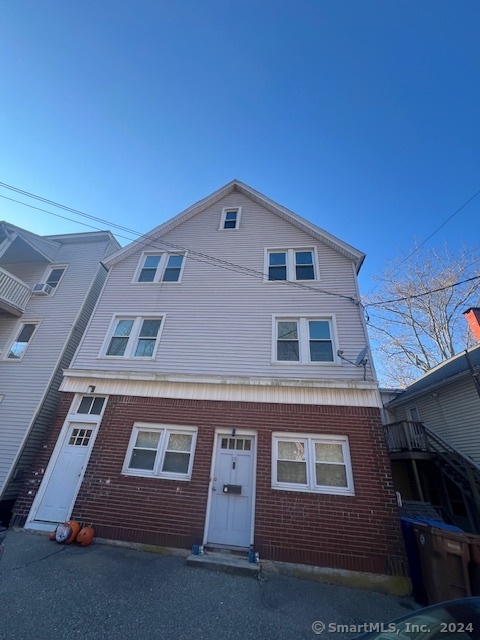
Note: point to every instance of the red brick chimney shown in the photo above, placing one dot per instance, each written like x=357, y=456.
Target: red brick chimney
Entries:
x=472, y=316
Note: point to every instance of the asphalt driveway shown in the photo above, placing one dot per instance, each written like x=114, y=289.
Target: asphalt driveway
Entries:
x=104, y=592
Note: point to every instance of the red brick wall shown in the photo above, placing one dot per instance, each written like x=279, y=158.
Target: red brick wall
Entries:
x=358, y=532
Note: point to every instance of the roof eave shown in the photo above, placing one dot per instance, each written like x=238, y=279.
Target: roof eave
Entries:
x=323, y=236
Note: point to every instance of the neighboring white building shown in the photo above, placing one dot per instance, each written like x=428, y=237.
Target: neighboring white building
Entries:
x=48, y=288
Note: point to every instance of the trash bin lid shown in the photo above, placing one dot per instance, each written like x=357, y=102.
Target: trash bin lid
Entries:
x=439, y=524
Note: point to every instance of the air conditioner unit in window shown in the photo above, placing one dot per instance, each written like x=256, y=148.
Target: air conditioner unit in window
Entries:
x=42, y=289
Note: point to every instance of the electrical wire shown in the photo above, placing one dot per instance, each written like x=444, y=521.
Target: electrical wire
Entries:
x=145, y=239
x=426, y=239
x=420, y=295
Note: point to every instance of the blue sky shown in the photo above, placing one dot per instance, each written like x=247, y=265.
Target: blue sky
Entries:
x=362, y=116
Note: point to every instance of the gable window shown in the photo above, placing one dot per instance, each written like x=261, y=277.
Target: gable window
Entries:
x=313, y=463
x=134, y=337
x=291, y=264
x=230, y=218
x=54, y=276
x=24, y=336
x=162, y=451
x=160, y=267
x=91, y=405
x=304, y=340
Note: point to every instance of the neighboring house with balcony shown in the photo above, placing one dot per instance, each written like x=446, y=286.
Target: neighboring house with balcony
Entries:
x=433, y=436
x=215, y=399
x=48, y=287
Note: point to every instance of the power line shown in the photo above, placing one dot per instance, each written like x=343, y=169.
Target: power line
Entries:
x=144, y=239
x=426, y=239
x=419, y=295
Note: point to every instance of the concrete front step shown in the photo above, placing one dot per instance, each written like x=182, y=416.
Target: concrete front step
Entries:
x=227, y=563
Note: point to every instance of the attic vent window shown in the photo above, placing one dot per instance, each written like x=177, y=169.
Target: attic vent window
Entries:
x=230, y=218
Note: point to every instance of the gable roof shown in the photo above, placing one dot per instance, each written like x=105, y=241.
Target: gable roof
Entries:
x=444, y=373
x=48, y=246
x=347, y=250
x=42, y=245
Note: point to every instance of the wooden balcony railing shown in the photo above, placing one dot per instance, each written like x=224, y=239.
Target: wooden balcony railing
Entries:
x=14, y=293
x=406, y=436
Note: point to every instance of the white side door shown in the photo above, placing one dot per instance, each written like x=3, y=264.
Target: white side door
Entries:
x=232, y=496
x=62, y=485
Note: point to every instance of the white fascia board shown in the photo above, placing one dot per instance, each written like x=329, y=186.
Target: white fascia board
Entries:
x=219, y=380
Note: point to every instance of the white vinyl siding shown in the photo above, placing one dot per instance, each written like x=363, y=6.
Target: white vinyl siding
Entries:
x=219, y=321
x=312, y=463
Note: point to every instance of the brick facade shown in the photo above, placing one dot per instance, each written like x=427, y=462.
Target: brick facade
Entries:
x=358, y=532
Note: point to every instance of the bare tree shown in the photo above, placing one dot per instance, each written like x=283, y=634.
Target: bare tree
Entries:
x=415, y=314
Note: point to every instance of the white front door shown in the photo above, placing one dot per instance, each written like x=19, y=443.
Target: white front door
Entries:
x=232, y=496
x=62, y=485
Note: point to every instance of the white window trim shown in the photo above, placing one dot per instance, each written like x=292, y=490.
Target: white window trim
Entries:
x=304, y=346
x=137, y=318
x=47, y=272
x=14, y=335
x=310, y=439
x=164, y=255
x=164, y=429
x=224, y=215
x=290, y=251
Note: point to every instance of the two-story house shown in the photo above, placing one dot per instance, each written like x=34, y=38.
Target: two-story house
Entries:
x=48, y=288
x=216, y=397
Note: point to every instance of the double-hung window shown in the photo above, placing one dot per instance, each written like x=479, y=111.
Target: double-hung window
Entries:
x=304, y=340
x=230, y=218
x=291, y=264
x=54, y=275
x=23, y=337
x=160, y=267
x=163, y=451
x=314, y=463
x=133, y=337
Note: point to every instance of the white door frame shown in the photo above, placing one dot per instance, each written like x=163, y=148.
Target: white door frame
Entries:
x=228, y=432
x=92, y=420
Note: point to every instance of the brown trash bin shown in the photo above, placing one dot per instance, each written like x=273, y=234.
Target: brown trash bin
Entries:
x=444, y=557
x=474, y=567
